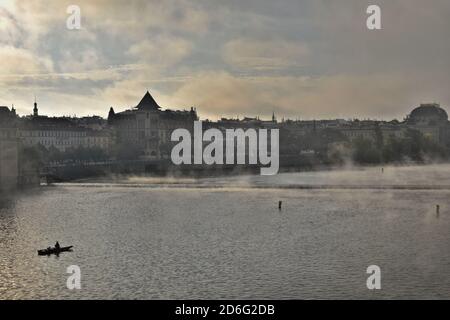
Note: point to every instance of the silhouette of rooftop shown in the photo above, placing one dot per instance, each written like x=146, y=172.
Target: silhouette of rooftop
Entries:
x=148, y=103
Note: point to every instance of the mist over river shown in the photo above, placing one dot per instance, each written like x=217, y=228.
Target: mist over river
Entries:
x=224, y=237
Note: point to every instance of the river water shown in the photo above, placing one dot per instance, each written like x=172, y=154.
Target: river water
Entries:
x=224, y=237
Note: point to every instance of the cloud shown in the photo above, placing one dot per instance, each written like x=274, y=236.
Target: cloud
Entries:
x=79, y=61
x=11, y=32
x=117, y=17
x=20, y=61
x=344, y=96
x=161, y=51
x=307, y=59
x=264, y=55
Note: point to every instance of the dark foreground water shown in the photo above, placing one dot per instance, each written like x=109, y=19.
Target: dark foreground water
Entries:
x=226, y=238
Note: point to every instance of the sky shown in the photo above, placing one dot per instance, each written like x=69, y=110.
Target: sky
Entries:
x=301, y=59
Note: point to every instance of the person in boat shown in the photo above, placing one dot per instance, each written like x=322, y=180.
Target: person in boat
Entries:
x=57, y=246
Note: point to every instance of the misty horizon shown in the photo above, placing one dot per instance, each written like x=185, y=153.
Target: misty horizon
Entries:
x=104, y=115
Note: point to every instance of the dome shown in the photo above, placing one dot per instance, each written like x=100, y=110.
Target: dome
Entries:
x=428, y=114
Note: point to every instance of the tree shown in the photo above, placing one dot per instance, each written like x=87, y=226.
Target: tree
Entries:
x=365, y=151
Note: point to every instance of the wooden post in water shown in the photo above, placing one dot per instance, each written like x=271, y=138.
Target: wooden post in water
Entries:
x=437, y=210
x=279, y=204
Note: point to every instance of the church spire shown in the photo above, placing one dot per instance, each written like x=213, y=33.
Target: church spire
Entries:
x=111, y=115
x=35, y=109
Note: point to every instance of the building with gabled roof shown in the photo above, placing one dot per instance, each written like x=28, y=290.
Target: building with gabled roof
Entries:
x=148, y=128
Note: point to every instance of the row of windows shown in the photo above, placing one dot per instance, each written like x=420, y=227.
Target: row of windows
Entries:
x=69, y=142
x=7, y=134
x=87, y=139
x=49, y=142
x=53, y=134
x=359, y=134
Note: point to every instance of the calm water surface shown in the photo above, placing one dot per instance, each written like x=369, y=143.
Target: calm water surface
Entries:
x=225, y=237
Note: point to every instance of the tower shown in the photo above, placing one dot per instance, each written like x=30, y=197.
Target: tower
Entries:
x=111, y=115
x=35, y=109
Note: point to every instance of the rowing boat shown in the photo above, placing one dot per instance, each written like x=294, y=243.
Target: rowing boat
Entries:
x=49, y=251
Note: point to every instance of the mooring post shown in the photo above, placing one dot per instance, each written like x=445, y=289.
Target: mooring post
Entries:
x=437, y=210
x=279, y=204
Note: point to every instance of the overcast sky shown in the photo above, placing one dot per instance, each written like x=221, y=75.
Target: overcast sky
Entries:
x=300, y=59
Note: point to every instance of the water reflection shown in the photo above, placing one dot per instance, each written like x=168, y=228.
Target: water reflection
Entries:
x=152, y=241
